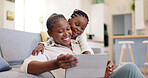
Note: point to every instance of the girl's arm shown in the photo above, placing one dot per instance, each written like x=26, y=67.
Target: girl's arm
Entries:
x=86, y=52
x=40, y=47
x=84, y=44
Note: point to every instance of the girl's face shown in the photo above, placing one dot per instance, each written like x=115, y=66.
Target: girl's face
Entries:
x=61, y=33
x=78, y=25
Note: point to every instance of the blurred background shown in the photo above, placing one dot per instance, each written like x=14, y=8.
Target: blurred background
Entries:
x=107, y=17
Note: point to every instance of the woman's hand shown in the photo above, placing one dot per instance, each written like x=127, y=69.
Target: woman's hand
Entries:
x=39, y=48
x=66, y=61
x=109, y=69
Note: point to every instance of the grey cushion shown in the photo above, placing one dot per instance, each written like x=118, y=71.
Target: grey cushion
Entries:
x=17, y=45
x=4, y=65
x=15, y=74
x=0, y=51
x=97, y=50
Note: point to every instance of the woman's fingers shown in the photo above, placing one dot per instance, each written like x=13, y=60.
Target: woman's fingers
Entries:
x=69, y=66
x=67, y=61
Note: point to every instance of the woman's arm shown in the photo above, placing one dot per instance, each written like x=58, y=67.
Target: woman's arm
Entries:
x=36, y=67
x=62, y=61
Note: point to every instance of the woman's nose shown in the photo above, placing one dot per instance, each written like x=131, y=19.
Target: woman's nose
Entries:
x=66, y=33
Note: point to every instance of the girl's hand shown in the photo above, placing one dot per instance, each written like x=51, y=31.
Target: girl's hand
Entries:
x=109, y=69
x=86, y=52
x=39, y=48
x=66, y=61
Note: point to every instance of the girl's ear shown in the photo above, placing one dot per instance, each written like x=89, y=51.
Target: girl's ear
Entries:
x=49, y=33
x=69, y=20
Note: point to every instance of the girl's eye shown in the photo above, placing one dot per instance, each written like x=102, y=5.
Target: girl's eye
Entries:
x=83, y=28
x=77, y=24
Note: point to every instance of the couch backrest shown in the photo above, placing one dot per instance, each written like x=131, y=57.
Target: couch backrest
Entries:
x=98, y=50
x=17, y=45
x=0, y=51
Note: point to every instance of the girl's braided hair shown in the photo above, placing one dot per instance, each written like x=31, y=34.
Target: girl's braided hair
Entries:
x=80, y=13
x=53, y=19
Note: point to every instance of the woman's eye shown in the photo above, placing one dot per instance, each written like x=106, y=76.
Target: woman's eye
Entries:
x=68, y=28
x=60, y=31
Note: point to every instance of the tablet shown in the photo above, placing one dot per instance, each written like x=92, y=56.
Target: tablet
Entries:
x=89, y=66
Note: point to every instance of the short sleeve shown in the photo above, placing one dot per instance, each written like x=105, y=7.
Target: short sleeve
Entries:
x=40, y=57
x=82, y=39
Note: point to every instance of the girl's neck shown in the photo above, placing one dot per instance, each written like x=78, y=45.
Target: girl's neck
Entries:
x=73, y=38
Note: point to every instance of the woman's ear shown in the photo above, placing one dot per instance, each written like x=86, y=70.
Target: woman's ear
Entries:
x=49, y=33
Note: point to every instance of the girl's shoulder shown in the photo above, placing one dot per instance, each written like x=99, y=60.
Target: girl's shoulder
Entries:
x=83, y=35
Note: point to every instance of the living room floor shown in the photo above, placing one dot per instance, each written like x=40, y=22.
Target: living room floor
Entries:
x=142, y=70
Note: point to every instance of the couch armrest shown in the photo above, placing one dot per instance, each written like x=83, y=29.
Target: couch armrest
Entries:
x=98, y=50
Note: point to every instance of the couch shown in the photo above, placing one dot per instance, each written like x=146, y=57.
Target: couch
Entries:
x=15, y=46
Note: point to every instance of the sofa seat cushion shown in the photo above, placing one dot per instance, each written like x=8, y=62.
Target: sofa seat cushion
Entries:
x=15, y=72
x=17, y=45
x=4, y=65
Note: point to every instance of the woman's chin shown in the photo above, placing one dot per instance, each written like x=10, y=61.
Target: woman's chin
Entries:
x=66, y=42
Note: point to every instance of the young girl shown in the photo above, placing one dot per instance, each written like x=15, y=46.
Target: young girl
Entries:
x=78, y=23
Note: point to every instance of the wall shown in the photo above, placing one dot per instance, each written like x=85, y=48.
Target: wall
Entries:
x=11, y=7
x=97, y=21
x=146, y=11
x=139, y=14
x=65, y=7
x=1, y=12
x=20, y=15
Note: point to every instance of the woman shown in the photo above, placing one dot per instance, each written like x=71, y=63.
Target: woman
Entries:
x=60, y=55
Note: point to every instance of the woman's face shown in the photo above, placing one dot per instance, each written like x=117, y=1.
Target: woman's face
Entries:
x=61, y=32
x=78, y=25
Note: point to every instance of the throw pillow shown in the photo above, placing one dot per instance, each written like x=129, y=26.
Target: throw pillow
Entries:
x=44, y=36
x=4, y=65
